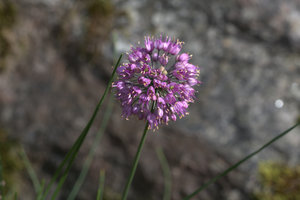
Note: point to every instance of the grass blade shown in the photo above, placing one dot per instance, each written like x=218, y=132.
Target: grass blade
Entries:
x=239, y=163
x=166, y=171
x=84, y=133
x=89, y=159
x=30, y=171
x=40, y=191
x=101, y=185
x=76, y=146
x=59, y=170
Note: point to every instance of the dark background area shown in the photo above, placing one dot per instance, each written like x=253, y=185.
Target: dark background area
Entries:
x=56, y=57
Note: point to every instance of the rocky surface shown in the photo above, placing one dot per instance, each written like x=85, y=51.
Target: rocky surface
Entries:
x=60, y=60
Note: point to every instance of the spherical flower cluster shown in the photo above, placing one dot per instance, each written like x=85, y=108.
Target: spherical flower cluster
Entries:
x=157, y=82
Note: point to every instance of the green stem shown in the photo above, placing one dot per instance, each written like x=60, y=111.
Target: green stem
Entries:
x=135, y=163
x=30, y=170
x=101, y=185
x=90, y=157
x=76, y=146
x=167, y=173
x=239, y=163
x=40, y=192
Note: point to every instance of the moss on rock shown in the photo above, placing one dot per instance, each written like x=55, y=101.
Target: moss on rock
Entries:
x=278, y=182
x=7, y=13
x=7, y=20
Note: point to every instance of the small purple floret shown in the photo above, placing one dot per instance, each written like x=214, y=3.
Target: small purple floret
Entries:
x=157, y=82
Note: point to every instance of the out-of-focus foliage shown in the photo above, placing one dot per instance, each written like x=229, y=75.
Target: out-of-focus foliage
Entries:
x=100, y=15
x=278, y=182
x=11, y=162
x=7, y=20
x=7, y=13
x=110, y=194
x=83, y=29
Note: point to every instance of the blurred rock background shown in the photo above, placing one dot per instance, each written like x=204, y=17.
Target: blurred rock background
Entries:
x=56, y=57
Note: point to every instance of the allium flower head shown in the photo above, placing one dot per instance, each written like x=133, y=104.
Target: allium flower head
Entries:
x=156, y=84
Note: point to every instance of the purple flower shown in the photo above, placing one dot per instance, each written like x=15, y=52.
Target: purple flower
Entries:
x=157, y=82
x=183, y=57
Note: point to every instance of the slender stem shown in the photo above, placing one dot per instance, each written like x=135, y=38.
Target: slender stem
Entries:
x=90, y=157
x=101, y=185
x=167, y=173
x=40, y=192
x=30, y=170
x=135, y=163
x=69, y=159
x=239, y=163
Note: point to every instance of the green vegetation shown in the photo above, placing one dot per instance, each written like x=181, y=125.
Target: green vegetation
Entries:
x=71, y=155
x=7, y=14
x=11, y=163
x=110, y=194
x=100, y=14
x=94, y=19
x=7, y=20
x=213, y=180
x=278, y=182
x=167, y=173
x=100, y=8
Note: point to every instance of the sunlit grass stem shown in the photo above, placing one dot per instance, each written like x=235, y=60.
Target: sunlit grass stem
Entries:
x=213, y=180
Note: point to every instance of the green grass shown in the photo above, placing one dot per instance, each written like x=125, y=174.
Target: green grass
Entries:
x=30, y=170
x=213, y=180
x=11, y=165
x=101, y=185
x=71, y=155
x=90, y=157
x=7, y=20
